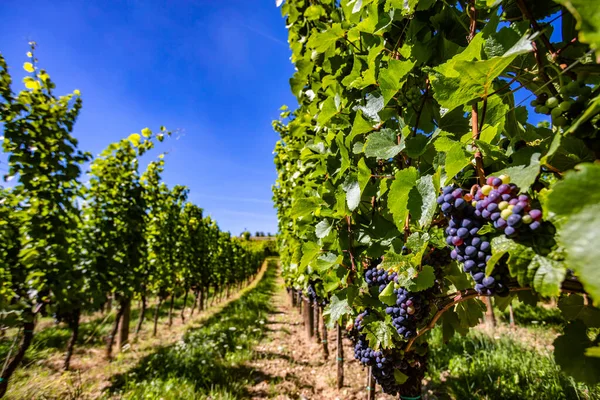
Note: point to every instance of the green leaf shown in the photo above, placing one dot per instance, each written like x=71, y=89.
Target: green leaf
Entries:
x=379, y=334
x=328, y=110
x=387, y=296
x=496, y=256
x=360, y=125
x=304, y=206
x=592, y=351
x=577, y=199
x=400, y=377
x=383, y=144
x=424, y=279
x=456, y=156
x=422, y=203
x=416, y=145
x=519, y=257
x=326, y=261
x=322, y=41
x=587, y=14
x=374, y=104
x=393, y=77
x=135, y=138
x=470, y=312
x=364, y=174
x=458, y=82
x=523, y=175
x=323, y=228
x=352, y=189
x=573, y=307
x=337, y=309
x=569, y=353
x=549, y=275
x=405, y=180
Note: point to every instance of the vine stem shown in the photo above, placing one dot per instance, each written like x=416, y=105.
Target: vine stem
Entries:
x=453, y=299
x=478, y=157
x=527, y=12
x=349, y=221
x=446, y=304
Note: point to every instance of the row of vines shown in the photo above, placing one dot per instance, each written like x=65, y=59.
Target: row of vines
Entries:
x=443, y=156
x=69, y=247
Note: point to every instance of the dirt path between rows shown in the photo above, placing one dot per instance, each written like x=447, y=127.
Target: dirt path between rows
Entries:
x=290, y=366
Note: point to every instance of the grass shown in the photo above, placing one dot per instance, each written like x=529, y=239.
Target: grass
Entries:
x=41, y=377
x=51, y=338
x=209, y=361
x=527, y=315
x=509, y=366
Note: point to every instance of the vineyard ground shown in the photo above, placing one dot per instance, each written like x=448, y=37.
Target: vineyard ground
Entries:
x=41, y=376
x=512, y=363
x=254, y=346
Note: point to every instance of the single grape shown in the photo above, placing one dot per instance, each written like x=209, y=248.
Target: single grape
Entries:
x=552, y=102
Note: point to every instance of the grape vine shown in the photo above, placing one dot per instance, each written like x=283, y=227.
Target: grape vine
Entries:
x=413, y=183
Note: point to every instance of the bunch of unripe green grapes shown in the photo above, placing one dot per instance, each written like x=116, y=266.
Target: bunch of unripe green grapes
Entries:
x=412, y=97
x=569, y=103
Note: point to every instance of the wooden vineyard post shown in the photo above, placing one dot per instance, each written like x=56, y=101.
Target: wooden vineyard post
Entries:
x=512, y=316
x=370, y=384
x=324, y=341
x=340, y=358
x=303, y=312
x=316, y=321
x=299, y=300
x=309, y=318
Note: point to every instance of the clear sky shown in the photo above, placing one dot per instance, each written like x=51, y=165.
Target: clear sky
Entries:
x=215, y=71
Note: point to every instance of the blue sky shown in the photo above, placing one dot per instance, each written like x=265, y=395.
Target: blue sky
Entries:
x=214, y=71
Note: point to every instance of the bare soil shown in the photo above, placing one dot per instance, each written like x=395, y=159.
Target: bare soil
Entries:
x=289, y=365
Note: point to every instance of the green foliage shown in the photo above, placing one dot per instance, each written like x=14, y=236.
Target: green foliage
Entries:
x=397, y=99
x=208, y=358
x=66, y=247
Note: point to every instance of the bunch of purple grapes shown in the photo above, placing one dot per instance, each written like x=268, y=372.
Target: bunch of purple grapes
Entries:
x=379, y=277
x=409, y=311
x=311, y=292
x=358, y=326
x=469, y=247
x=499, y=201
x=382, y=366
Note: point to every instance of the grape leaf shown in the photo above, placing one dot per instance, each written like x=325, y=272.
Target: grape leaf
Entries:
x=572, y=307
x=392, y=78
x=352, y=189
x=322, y=41
x=337, y=308
x=587, y=14
x=569, y=353
x=309, y=252
x=405, y=180
x=379, y=334
x=470, y=312
x=523, y=175
x=400, y=377
x=577, y=199
x=422, y=201
x=304, y=206
x=383, y=145
x=323, y=228
x=373, y=106
x=456, y=156
x=387, y=296
x=549, y=275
